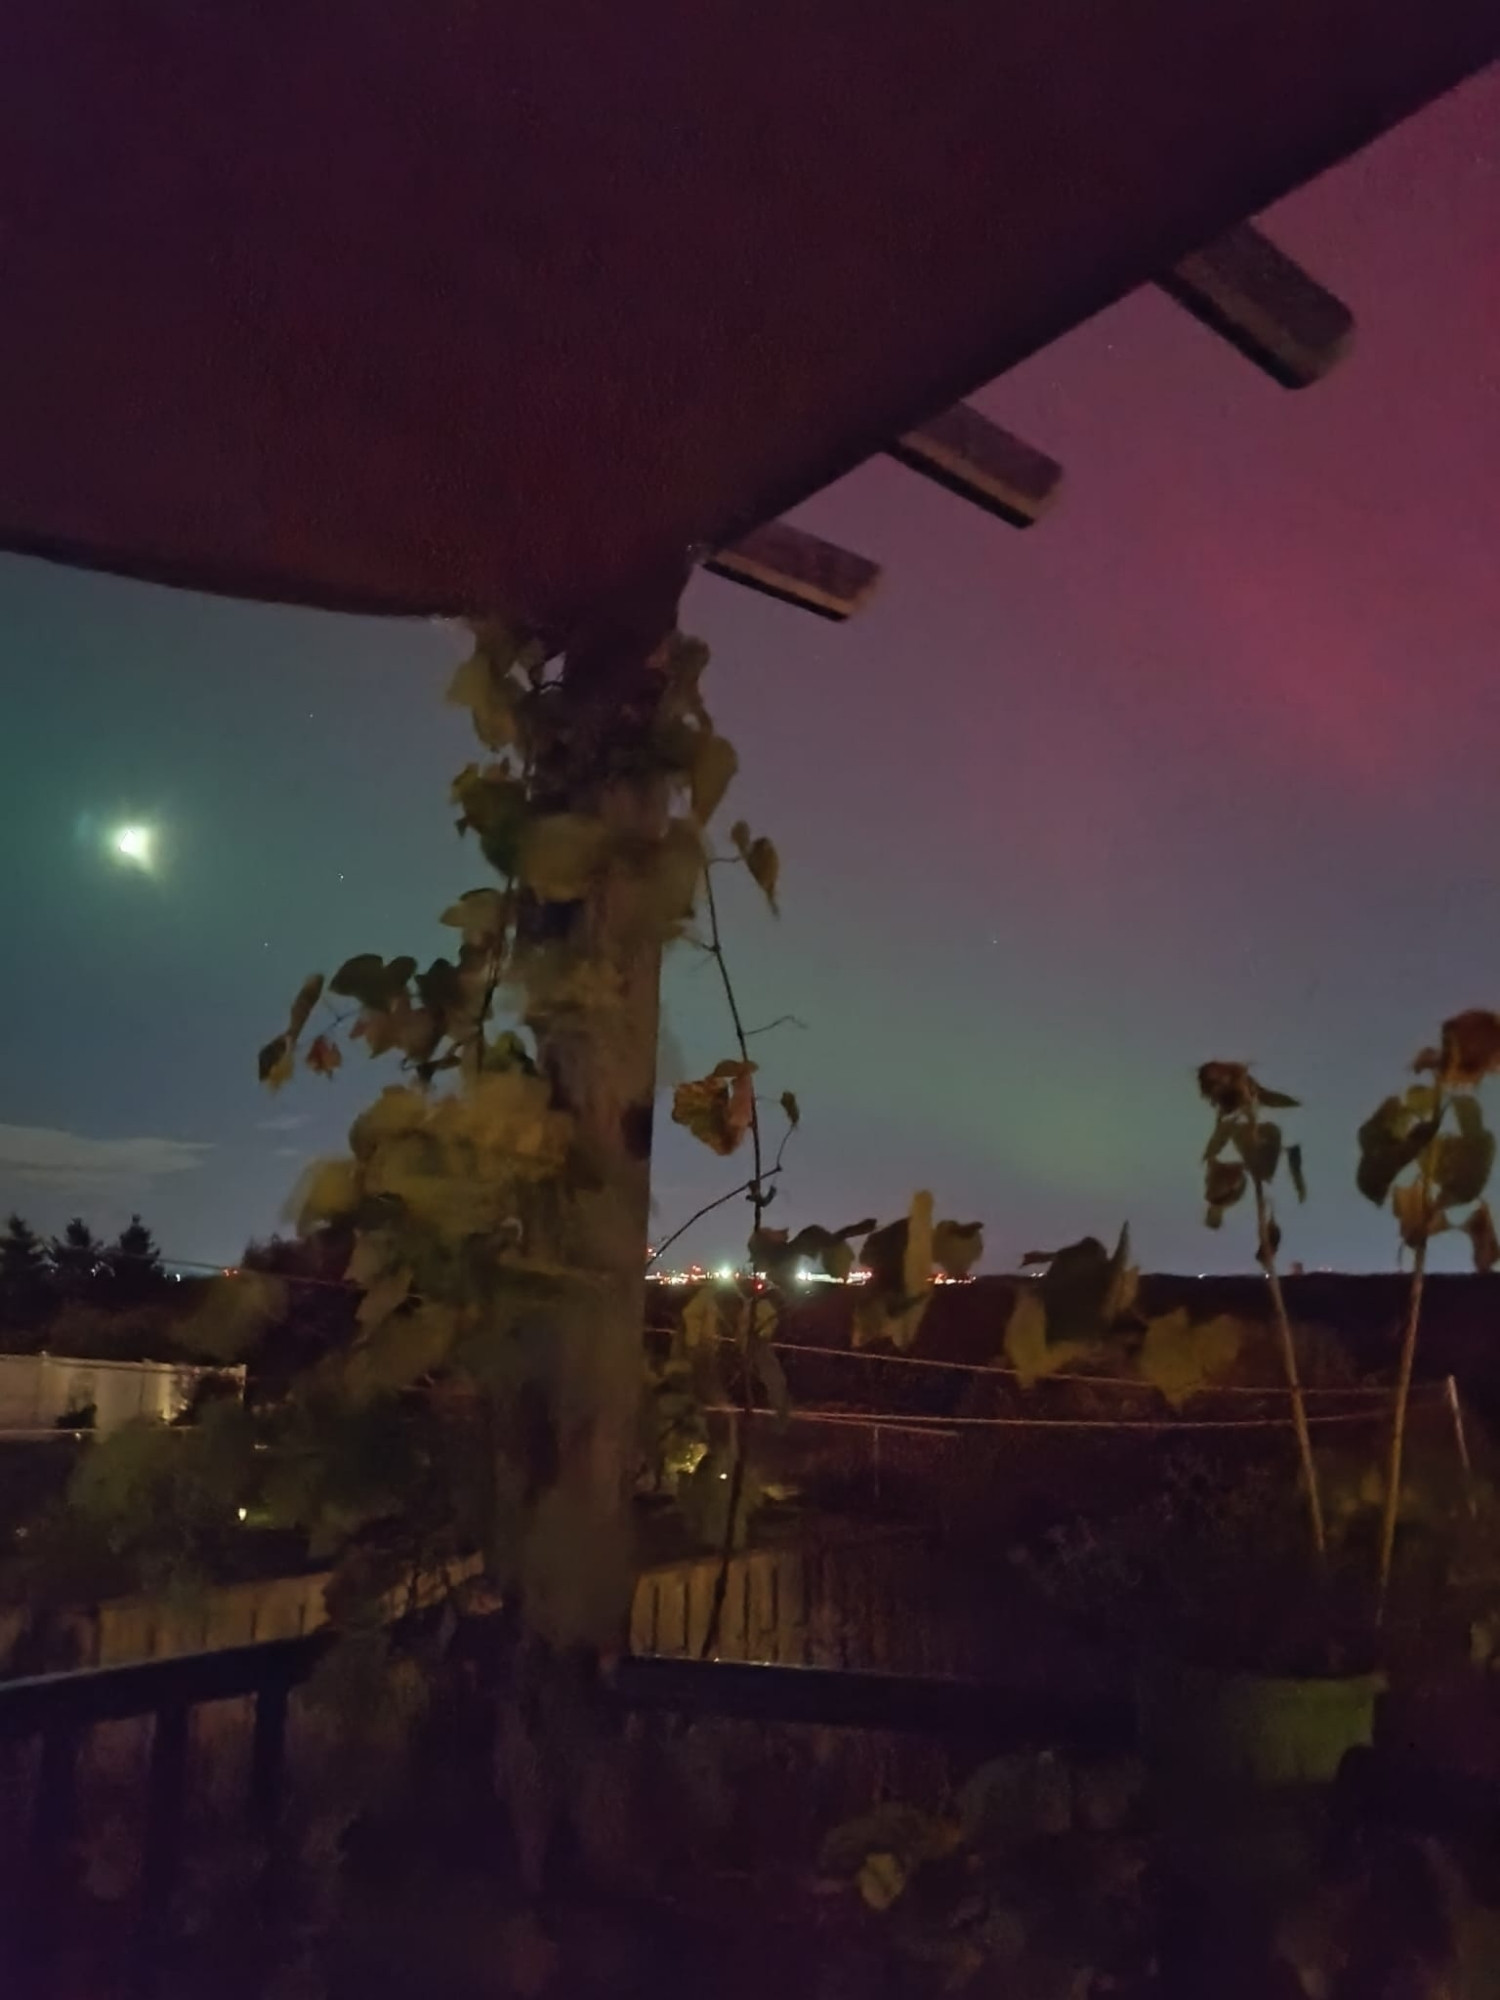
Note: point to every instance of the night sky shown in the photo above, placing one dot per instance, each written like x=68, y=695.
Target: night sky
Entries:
x=1208, y=764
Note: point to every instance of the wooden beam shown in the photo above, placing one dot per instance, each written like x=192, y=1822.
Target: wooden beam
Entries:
x=789, y=564
x=979, y=461
x=1265, y=304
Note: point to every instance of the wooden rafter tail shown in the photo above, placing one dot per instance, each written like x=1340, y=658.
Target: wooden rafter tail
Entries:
x=982, y=463
x=1262, y=302
x=787, y=563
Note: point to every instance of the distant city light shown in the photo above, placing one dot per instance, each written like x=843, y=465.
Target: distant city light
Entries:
x=695, y=1274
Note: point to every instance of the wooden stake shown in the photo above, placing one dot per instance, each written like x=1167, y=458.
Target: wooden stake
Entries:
x=1455, y=1410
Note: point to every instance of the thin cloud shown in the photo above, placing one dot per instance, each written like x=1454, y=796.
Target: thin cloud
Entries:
x=38, y=1156
x=284, y=1121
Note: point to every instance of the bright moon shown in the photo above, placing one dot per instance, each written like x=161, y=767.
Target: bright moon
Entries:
x=134, y=844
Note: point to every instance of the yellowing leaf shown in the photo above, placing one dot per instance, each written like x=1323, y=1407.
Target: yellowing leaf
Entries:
x=399, y=1109
x=701, y=1318
x=560, y=855
x=276, y=1062
x=483, y=687
x=382, y=1297
x=764, y=864
x=1180, y=1359
x=792, y=1109
x=404, y=1348
x=760, y=858
x=673, y=871
x=483, y=915
x=327, y=1192
x=717, y=1109
x=370, y=1256
x=881, y=1880
x=714, y=766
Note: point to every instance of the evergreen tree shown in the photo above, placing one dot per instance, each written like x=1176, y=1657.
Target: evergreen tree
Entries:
x=25, y=1278
x=77, y=1260
x=133, y=1266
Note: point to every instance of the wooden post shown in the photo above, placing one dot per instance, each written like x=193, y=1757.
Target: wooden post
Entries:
x=602, y=1066
x=1455, y=1411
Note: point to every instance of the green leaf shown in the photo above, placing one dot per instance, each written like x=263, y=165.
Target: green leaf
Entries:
x=1224, y=1183
x=492, y=805
x=483, y=915
x=1416, y=1214
x=1259, y=1146
x=838, y=1260
x=714, y=766
x=1463, y=1164
x=370, y=981
x=1075, y=1289
x=1389, y=1141
x=1220, y=1137
x=383, y=1295
x=1294, y=1168
x=957, y=1247
x=561, y=853
x=1028, y=1346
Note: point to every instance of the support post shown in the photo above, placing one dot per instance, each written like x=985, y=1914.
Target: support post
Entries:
x=602, y=1067
x=1456, y=1412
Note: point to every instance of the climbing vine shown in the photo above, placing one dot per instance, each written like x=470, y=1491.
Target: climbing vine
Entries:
x=476, y=1200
